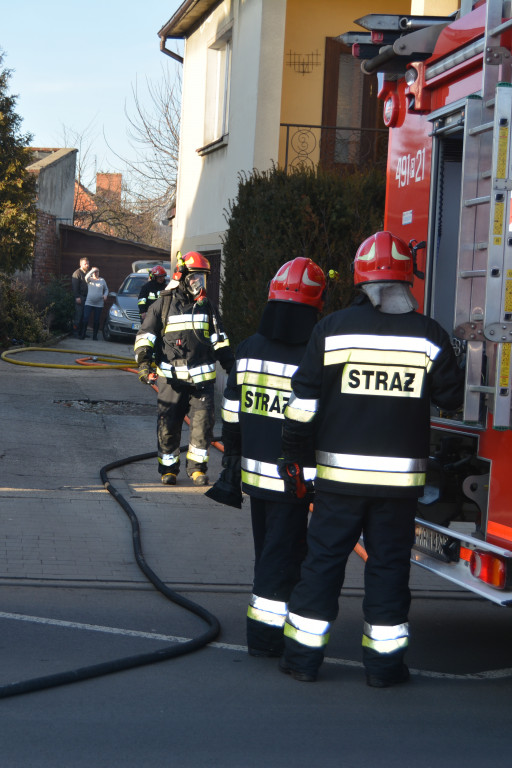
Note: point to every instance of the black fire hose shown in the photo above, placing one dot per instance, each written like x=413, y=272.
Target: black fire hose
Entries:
x=129, y=662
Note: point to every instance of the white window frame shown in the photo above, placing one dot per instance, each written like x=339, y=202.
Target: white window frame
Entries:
x=217, y=93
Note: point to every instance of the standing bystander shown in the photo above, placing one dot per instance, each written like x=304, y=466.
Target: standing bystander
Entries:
x=79, y=288
x=97, y=292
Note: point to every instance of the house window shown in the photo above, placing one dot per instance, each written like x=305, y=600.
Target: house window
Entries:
x=218, y=75
x=353, y=133
x=349, y=109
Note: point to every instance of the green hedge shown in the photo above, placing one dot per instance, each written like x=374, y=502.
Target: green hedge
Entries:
x=30, y=312
x=20, y=321
x=276, y=217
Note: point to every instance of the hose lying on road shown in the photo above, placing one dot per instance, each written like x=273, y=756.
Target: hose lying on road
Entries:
x=129, y=662
x=100, y=361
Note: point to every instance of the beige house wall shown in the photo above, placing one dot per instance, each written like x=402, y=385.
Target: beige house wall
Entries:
x=434, y=7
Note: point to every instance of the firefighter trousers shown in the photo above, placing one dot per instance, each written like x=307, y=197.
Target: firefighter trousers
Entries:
x=279, y=532
x=174, y=403
x=387, y=525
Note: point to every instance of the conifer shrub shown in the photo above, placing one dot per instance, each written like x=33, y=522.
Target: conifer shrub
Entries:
x=53, y=301
x=20, y=321
x=277, y=217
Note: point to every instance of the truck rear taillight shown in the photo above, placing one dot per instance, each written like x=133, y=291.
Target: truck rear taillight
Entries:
x=489, y=568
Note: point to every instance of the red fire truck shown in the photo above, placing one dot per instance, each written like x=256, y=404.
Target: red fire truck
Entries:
x=447, y=90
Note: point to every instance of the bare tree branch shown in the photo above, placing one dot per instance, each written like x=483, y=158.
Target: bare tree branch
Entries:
x=149, y=180
x=154, y=134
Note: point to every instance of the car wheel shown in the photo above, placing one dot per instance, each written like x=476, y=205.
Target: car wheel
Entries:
x=107, y=335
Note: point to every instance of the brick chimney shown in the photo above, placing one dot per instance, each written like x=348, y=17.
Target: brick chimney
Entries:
x=109, y=185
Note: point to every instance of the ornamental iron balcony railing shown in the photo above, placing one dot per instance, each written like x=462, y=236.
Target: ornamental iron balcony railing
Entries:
x=341, y=148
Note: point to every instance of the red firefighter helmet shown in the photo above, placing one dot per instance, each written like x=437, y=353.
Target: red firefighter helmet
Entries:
x=383, y=257
x=300, y=280
x=157, y=271
x=196, y=262
x=190, y=262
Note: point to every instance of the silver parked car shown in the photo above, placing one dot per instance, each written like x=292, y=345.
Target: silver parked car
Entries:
x=123, y=319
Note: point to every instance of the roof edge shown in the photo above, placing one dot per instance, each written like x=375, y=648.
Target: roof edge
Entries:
x=90, y=233
x=186, y=18
x=55, y=157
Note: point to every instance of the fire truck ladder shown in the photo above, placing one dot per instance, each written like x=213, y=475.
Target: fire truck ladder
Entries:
x=484, y=280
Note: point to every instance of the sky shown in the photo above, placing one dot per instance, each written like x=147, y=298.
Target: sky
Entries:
x=74, y=65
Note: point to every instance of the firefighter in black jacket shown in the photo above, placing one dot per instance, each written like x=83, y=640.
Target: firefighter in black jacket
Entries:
x=255, y=397
x=183, y=334
x=151, y=290
x=362, y=394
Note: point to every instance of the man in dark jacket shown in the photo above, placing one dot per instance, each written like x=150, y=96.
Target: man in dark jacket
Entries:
x=255, y=397
x=182, y=333
x=151, y=290
x=79, y=287
x=362, y=396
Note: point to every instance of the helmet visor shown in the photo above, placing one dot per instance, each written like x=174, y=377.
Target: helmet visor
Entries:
x=195, y=283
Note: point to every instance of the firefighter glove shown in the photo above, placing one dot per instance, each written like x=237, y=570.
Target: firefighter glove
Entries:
x=293, y=476
x=144, y=373
x=227, y=489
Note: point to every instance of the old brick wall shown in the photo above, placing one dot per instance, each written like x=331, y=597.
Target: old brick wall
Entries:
x=46, y=248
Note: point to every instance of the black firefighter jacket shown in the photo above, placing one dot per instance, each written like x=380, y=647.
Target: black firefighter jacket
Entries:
x=149, y=293
x=255, y=397
x=186, y=343
x=363, y=392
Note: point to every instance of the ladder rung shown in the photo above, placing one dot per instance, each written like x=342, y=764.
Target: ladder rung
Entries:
x=477, y=129
x=472, y=201
x=467, y=273
x=500, y=28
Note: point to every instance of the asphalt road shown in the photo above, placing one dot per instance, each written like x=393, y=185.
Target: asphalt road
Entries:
x=71, y=596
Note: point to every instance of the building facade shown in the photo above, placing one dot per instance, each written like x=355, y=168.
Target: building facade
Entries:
x=267, y=82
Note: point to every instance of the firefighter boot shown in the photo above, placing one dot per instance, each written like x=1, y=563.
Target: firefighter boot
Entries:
x=169, y=479
x=199, y=478
x=297, y=674
x=378, y=681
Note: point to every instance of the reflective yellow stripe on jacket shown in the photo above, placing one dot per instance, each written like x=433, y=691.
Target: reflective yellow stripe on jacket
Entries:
x=262, y=474
x=191, y=322
x=219, y=340
x=391, y=366
x=230, y=410
x=266, y=386
x=299, y=409
x=206, y=372
x=370, y=470
x=144, y=340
